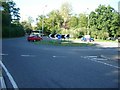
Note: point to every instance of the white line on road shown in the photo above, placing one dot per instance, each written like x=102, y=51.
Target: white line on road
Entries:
x=28, y=55
x=9, y=76
x=3, y=54
x=105, y=63
x=58, y=56
x=99, y=60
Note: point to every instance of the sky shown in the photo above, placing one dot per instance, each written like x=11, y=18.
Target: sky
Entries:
x=33, y=8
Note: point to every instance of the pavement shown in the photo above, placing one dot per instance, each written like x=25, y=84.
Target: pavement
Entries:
x=100, y=44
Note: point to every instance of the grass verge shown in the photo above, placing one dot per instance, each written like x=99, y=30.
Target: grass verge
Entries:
x=99, y=40
x=62, y=43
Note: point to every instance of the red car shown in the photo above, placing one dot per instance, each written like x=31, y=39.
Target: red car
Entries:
x=34, y=38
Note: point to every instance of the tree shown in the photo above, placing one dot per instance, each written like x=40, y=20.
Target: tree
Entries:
x=27, y=26
x=6, y=17
x=73, y=22
x=65, y=11
x=52, y=22
x=10, y=20
x=105, y=18
x=15, y=15
x=83, y=20
x=10, y=12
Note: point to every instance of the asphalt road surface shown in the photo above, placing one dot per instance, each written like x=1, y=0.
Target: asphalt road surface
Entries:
x=44, y=66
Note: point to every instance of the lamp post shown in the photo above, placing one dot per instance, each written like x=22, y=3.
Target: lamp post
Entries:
x=43, y=21
x=88, y=22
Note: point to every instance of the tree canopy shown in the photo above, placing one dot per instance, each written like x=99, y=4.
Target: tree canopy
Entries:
x=11, y=26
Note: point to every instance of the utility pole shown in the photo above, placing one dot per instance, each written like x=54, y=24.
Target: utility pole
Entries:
x=43, y=20
x=88, y=22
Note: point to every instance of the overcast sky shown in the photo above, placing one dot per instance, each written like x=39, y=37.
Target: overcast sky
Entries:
x=34, y=8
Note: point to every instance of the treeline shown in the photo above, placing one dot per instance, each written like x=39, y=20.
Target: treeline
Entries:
x=11, y=26
x=102, y=23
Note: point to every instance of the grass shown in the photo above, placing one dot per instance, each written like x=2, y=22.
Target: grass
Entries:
x=62, y=43
x=99, y=40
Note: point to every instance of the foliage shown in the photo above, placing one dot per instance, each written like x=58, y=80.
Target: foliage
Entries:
x=73, y=22
x=27, y=26
x=83, y=20
x=10, y=20
x=65, y=12
x=102, y=23
x=106, y=20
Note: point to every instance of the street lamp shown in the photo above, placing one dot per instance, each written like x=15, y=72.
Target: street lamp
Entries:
x=43, y=21
x=88, y=22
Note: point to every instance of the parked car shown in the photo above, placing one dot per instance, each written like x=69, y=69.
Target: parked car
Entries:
x=33, y=38
x=87, y=39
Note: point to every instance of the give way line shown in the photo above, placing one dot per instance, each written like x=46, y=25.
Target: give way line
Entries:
x=9, y=76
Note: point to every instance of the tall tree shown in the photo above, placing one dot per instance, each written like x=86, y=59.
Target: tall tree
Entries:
x=65, y=11
x=83, y=20
x=73, y=22
x=15, y=15
x=105, y=18
x=27, y=26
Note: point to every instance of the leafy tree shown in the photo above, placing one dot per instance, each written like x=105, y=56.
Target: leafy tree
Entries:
x=83, y=20
x=106, y=19
x=73, y=22
x=52, y=22
x=15, y=15
x=10, y=20
x=6, y=17
x=27, y=26
x=65, y=11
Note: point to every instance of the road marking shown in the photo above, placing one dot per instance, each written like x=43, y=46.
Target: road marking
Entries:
x=105, y=63
x=9, y=76
x=54, y=56
x=58, y=56
x=92, y=56
x=3, y=54
x=99, y=60
x=28, y=55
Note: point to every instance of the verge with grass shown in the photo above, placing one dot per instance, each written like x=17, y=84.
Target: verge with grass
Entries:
x=62, y=43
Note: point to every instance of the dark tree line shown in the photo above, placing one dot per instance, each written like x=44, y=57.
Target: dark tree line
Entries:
x=11, y=26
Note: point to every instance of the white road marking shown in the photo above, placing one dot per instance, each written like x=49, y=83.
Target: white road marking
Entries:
x=28, y=55
x=3, y=54
x=105, y=63
x=54, y=56
x=104, y=57
x=99, y=60
x=91, y=56
x=9, y=76
x=58, y=56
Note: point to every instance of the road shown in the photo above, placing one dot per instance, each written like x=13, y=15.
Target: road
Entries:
x=44, y=66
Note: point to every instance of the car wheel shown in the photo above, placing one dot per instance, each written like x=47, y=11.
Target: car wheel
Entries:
x=33, y=40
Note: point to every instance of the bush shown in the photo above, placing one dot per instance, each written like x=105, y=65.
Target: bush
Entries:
x=5, y=32
x=13, y=31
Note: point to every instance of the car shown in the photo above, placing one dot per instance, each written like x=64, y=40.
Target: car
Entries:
x=87, y=39
x=33, y=38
